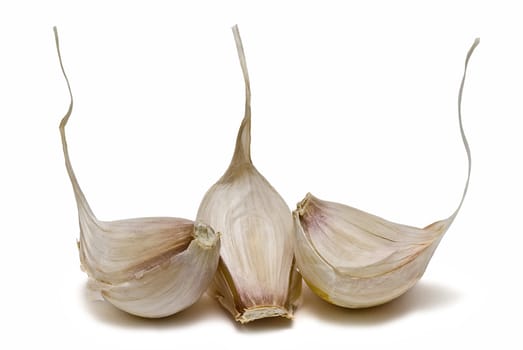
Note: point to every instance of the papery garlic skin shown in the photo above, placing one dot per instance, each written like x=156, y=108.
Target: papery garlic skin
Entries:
x=256, y=276
x=171, y=282
x=355, y=259
x=149, y=267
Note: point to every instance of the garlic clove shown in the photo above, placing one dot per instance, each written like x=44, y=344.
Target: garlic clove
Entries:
x=149, y=267
x=256, y=275
x=172, y=281
x=355, y=259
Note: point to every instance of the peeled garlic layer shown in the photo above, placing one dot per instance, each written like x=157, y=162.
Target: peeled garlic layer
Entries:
x=256, y=276
x=354, y=259
x=150, y=267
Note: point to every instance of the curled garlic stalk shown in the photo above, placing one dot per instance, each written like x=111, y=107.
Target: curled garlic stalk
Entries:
x=354, y=259
x=256, y=276
x=150, y=267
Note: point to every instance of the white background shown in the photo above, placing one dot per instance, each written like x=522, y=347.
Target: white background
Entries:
x=355, y=102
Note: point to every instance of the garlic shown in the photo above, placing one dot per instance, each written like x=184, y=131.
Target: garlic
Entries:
x=150, y=267
x=256, y=276
x=354, y=259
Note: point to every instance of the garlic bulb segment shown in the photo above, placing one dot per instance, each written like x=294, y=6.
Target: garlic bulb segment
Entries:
x=256, y=275
x=354, y=259
x=149, y=267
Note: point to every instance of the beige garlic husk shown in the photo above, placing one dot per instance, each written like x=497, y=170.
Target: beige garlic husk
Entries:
x=354, y=259
x=256, y=275
x=150, y=267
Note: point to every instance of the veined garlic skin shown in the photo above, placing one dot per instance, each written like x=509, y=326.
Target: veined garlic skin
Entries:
x=355, y=259
x=256, y=276
x=173, y=269
x=149, y=267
